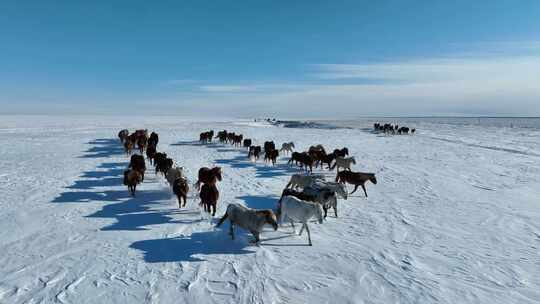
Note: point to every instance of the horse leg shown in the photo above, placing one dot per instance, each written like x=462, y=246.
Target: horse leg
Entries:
x=335, y=210
x=256, y=236
x=355, y=188
x=185, y=199
x=292, y=224
x=231, y=230
x=214, y=209
x=308, y=235
x=302, y=229
x=325, y=211
x=364, y=187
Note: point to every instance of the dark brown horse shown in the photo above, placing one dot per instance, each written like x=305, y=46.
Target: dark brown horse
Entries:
x=305, y=160
x=153, y=139
x=181, y=189
x=326, y=159
x=356, y=179
x=222, y=135
x=269, y=146
x=209, y=196
x=151, y=152
x=208, y=176
x=237, y=140
x=163, y=165
x=271, y=156
x=137, y=163
x=123, y=134
x=341, y=152
x=255, y=152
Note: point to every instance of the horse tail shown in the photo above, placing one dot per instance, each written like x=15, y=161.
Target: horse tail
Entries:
x=222, y=219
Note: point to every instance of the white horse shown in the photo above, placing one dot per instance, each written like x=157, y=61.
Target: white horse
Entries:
x=287, y=147
x=344, y=162
x=302, y=181
x=301, y=211
x=339, y=188
x=320, y=190
x=174, y=174
x=250, y=219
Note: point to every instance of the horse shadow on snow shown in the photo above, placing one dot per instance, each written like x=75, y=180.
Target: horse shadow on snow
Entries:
x=91, y=183
x=103, y=148
x=186, y=248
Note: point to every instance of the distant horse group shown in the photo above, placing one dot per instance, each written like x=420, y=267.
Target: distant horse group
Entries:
x=392, y=129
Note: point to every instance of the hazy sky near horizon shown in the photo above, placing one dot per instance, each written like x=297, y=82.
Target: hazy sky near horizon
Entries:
x=279, y=58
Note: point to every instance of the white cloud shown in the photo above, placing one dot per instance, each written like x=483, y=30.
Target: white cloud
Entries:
x=484, y=86
x=438, y=70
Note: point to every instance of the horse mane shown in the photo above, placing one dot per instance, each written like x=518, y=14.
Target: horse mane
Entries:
x=267, y=214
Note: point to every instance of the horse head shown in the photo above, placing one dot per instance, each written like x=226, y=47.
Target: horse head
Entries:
x=373, y=179
x=270, y=218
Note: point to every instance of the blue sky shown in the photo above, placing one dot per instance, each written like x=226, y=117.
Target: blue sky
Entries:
x=283, y=58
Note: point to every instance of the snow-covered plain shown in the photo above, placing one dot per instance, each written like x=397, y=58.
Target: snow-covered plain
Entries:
x=454, y=218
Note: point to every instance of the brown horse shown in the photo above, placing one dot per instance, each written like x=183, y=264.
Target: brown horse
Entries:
x=209, y=196
x=208, y=176
x=356, y=179
x=128, y=146
x=131, y=179
x=316, y=148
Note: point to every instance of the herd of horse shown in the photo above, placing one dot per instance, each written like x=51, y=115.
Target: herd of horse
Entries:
x=305, y=196
x=392, y=129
